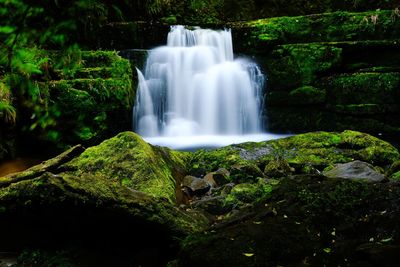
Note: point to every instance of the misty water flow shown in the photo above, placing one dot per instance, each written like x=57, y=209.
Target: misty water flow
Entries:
x=193, y=93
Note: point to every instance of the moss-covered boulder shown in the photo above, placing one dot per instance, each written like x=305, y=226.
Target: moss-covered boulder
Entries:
x=119, y=191
x=128, y=160
x=319, y=149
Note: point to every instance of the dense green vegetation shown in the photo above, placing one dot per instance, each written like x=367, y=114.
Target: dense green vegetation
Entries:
x=331, y=65
x=49, y=89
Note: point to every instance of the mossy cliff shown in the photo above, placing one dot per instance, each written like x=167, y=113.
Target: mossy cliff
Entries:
x=313, y=64
x=267, y=200
x=341, y=67
x=135, y=16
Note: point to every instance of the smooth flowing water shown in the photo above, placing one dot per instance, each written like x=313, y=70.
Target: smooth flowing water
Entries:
x=193, y=93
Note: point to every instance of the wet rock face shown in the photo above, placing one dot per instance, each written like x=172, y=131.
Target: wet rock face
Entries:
x=355, y=170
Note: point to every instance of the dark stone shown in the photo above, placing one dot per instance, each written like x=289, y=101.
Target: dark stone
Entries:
x=212, y=205
x=217, y=178
x=355, y=170
x=221, y=176
x=196, y=185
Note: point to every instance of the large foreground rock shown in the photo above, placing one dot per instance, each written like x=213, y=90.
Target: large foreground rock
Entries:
x=91, y=198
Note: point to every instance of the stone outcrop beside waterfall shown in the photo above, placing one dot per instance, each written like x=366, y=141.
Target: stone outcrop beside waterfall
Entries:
x=331, y=71
x=126, y=202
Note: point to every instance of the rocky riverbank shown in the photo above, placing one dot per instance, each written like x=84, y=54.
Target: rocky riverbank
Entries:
x=315, y=198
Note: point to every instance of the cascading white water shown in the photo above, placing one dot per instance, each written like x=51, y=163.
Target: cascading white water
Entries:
x=193, y=87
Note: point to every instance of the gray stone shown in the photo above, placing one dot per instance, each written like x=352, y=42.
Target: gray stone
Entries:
x=355, y=170
x=196, y=185
x=217, y=178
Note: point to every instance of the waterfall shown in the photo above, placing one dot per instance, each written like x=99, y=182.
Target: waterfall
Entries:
x=193, y=87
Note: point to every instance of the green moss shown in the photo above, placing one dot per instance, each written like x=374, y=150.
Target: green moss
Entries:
x=88, y=108
x=296, y=65
x=363, y=88
x=337, y=26
x=203, y=161
x=93, y=73
x=130, y=161
x=307, y=95
x=317, y=150
x=312, y=59
x=99, y=58
x=250, y=193
x=363, y=109
x=171, y=20
x=277, y=168
x=123, y=176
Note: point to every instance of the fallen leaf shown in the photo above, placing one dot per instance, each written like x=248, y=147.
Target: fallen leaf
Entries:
x=327, y=250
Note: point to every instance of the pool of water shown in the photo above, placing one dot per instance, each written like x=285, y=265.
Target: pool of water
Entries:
x=17, y=165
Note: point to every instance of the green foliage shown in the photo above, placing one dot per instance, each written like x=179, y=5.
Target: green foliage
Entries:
x=26, y=28
x=7, y=111
x=395, y=176
x=45, y=258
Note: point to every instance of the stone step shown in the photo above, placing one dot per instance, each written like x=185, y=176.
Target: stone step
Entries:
x=328, y=27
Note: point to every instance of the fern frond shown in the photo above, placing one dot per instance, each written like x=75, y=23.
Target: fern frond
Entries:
x=8, y=114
